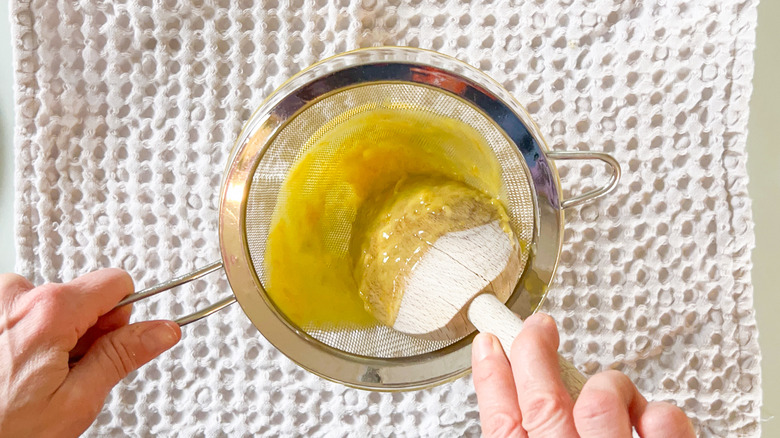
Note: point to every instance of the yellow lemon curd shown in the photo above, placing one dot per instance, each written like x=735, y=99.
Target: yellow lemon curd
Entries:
x=339, y=195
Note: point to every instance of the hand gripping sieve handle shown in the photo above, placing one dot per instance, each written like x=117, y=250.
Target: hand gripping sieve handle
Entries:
x=490, y=315
x=589, y=155
x=178, y=281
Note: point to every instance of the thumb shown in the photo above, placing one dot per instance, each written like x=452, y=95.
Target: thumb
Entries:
x=115, y=355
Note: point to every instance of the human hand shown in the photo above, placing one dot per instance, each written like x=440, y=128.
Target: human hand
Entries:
x=528, y=399
x=63, y=347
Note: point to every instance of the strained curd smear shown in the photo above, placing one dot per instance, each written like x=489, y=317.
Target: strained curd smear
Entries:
x=398, y=228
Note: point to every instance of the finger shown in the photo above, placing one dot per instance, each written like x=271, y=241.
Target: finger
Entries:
x=109, y=322
x=663, y=420
x=99, y=291
x=60, y=314
x=114, y=319
x=82, y=301
x=605, y=405
x=496, y=395
x=544, y=403
x=114, y=356
x=12, y=285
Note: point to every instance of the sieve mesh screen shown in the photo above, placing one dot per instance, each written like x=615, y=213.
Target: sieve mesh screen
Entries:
x=317, y=119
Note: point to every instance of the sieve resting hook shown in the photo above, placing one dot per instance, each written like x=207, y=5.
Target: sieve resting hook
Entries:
x=598, y=192
x=178, y=281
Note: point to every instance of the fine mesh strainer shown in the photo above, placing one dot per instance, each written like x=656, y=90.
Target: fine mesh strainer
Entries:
x=331, y=93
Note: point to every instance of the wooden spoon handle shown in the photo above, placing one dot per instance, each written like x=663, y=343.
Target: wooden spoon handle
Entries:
x=490, y=315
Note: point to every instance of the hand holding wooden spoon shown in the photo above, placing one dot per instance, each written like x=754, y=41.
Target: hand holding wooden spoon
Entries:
x=441, y=260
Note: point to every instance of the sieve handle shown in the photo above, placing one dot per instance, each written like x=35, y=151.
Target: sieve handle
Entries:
x=489, y=315
x=595, y=193
x=178, y=281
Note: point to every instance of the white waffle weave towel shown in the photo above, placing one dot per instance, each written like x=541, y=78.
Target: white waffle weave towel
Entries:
x=126, y=111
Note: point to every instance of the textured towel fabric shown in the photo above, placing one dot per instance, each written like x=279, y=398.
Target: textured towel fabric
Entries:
x=126, y=112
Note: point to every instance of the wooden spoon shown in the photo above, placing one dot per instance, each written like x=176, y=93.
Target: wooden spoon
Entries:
x=464, y=278
x=459, y=281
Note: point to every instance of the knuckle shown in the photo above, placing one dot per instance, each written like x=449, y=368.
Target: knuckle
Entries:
x=48, y=298
x=485, y=373
x=13, y=284
x=53, y=311
x=50, y=292
x=665, y=419
x=43, y=314
x=501, y=424
x=524, y=342
x=679, y=417
x=543, y=410
x=121, y=360
x=120, y=276
x=611, y=378
x=541, y=337
x=595, y=405
x=672, y=415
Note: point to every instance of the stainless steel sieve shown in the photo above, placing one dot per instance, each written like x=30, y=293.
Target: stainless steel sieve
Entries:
x=330, y=93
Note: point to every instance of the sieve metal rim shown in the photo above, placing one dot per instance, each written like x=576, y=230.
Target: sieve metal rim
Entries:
x=278, y=109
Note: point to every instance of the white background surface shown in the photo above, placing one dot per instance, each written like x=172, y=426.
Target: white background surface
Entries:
x=6, y=144
x=764, y=187
x=763, y=165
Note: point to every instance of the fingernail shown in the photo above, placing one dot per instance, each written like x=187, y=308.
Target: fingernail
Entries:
x=159, y=338
x=539, y=319
x=485, y=345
